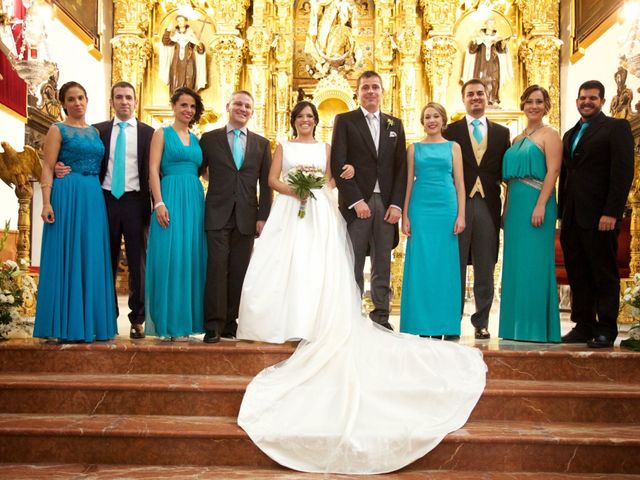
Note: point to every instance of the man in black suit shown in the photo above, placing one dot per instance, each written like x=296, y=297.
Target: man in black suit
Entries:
x=237, y=160
x=483, y=144
x=125, y=184
x=374, y=143
x=596, y=175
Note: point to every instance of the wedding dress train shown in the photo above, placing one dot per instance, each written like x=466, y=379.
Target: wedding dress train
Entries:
x=354, y=397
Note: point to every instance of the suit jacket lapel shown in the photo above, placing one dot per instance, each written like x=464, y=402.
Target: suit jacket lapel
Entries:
x=249, y=151
x=140, y=150
x=224, y=145
x=465, y=140
x=363, y=128
x=383, y=140
x=589, y=131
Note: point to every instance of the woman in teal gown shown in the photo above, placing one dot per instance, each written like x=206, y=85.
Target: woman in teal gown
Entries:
x=177, y=249
x=76, y=301
x=529, y=302
x=432, y=217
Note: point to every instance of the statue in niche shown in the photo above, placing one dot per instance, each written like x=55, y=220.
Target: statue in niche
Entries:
x=621, y=102
x=330, y=38
x=182, y=57
x=488, y=59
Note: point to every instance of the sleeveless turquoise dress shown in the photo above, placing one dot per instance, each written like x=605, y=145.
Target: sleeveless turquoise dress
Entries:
x=76, y=301
x=177, y=255
x=529, y=301
x=431, y=284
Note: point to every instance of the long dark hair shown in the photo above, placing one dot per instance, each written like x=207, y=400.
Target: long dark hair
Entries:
x=199, y=105
x=296, y=111
x=65, y=88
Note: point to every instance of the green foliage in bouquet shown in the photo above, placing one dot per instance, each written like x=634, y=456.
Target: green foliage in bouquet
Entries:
x=302, y=180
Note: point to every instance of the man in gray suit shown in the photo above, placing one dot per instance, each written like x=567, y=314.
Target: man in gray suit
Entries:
x=238, y=160
x=483, y=144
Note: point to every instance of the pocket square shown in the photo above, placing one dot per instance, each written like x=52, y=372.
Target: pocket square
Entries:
x=392, y=134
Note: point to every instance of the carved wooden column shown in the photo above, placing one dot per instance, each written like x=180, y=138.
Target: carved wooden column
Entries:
x=227, y=47
x=408, y=42
x=439, y=49
x=283, y=62
x=259, y=40
x=540, y=51
x=131, y=47
x=385, y=45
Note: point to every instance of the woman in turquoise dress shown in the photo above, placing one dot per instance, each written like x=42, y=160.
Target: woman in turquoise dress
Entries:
x=76, y=301
x=529, y=302
x=177, y=249
x=432, y=217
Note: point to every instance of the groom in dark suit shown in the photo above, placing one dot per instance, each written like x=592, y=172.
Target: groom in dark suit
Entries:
x=374, y=143
x=596, y=175
x=483, y=144
x=237, y=160
x=125, y=184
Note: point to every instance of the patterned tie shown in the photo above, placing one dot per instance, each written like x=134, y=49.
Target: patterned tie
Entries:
x=373, y=126
x=238, y=153
x=578, y=136
x=119, y=155
x=477, y=133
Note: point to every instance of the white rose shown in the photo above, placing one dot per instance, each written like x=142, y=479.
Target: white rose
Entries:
x=10, y=299
x=3, y=299
x=634, y=333
x=627, y=290
x=627, y=298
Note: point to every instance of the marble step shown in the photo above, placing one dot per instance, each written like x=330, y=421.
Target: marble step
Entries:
x=169, y=394
x=562, y=363
x=218, y=441
x=18, y=471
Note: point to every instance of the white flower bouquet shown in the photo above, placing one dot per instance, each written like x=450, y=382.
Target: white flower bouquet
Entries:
x=302, y=180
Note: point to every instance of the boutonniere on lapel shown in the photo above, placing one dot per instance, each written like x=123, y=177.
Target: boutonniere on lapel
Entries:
x=390, y=123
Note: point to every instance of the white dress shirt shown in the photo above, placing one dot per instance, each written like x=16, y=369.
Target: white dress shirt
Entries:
x=131, y=172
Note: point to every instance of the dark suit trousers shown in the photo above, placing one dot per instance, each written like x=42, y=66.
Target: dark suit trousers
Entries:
x=375, y=235
x=128, y=217
x=229, y=252
x=478, y=238
x=592, y=270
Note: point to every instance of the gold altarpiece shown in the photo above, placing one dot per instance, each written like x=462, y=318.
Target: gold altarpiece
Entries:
x=285, y=50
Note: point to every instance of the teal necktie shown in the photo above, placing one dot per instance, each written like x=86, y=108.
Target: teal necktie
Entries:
x=578, y=136
x=477, y=133
x=119, y=155
x=238, y=153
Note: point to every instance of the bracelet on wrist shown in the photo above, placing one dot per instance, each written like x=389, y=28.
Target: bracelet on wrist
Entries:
x=159, y=204
x=46, y=185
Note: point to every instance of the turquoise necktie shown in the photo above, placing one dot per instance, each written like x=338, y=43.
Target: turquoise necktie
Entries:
x=477, y=133
x=119, y=155
x=578, y=136
x=238, y=153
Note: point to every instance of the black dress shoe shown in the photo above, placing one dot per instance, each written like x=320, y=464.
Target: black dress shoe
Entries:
x=575, y=336
x=601, y=341
x=482, y=333
x=452, y=338
x=137, y=331
x=211, y=336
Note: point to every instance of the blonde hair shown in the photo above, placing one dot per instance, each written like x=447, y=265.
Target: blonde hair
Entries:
x=438, y=108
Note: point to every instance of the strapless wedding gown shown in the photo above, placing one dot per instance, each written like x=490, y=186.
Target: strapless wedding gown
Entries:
x=354, y=397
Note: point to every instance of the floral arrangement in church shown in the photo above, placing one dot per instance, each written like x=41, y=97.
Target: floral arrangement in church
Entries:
x=631, y=297
x=302, y=180
x=16, y=287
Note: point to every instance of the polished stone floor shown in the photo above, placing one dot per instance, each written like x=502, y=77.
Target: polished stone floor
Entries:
x=466, y=334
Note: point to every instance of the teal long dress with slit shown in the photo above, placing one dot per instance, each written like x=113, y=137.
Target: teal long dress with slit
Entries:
x=529, y=302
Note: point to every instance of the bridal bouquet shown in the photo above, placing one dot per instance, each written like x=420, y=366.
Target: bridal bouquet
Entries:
x=303, y=179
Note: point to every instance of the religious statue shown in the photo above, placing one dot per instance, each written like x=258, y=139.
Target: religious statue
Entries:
x=330, y=37
x=182, y=57
x=621, y=103
x=488, y=59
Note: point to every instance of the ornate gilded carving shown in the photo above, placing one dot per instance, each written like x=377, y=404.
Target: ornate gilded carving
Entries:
x=439, y=16
x=18, y=169
x=130, y=56
x=227, y=51
x=439, y=54
x=621, y=102
x=539, y=17
x=540, y=57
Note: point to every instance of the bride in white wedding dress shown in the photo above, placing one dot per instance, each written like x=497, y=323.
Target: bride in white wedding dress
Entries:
x=354, y=397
